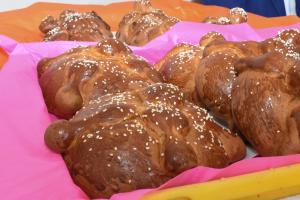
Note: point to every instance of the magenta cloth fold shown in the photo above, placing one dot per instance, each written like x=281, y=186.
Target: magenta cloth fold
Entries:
x=29, y=170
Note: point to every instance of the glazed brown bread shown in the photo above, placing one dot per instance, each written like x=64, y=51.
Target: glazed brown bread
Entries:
x=213, y=81
x=215, y=74
x=210, y=20
x=210, y=36
x=247, y=101
x=71, y=80
x=75, y=26
x=179, y=66
x=139, y=139
x=143, y=24
x=291, y=36
x=265, y=103
x=235, y=16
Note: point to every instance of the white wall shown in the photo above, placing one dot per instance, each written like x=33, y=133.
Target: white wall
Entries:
x=7, y=5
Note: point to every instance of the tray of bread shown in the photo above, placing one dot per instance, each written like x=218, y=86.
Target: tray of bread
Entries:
x=90, y=112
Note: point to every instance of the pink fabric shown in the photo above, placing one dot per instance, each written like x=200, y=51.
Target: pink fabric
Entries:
x=30, y=171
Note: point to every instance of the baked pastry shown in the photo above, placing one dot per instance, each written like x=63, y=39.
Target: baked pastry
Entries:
x=179, y=66
x=290, y=36
x=235, y=16
x=265, y=103
x=210, y=36
x=210, y=20
x=213, y=82
x=71, y=80
x=75, y=26
x=215, y=74
x=139, y=139
x=254, y=87
x=143, y=24
x=223, y=21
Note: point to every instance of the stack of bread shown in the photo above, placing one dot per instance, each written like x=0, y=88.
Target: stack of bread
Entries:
x=128, y=129
x=238, y=82
x=179, y=66
x=137, y=27
x=128, y=125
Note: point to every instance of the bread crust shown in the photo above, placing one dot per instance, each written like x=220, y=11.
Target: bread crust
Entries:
x=140, y=139
x=71, y=80
x=235, y=16
x=75, y=26
x=254, y=86
x=142, y=25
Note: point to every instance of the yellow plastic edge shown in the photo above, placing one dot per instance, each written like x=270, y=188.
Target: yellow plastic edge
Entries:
x=266, y=183
x=275, y=194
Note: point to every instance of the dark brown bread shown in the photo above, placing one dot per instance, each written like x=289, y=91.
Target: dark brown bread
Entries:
x=71, y=80
x=210, y=36
x=235, y=16
x=223, y=21
x=179, y=66
x=75, y=26
x=143, y=24
x=254, y=86
x=210, y=20
x=216, y=74
x=242, y=49
x=139, y=139
x=290, y=36
x=265, y=103
x=213, y=81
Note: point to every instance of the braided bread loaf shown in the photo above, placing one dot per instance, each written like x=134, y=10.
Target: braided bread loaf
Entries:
x=143, y=24
x=139, y=139
x=215, y=74
x=265, y=103
x=219, y=63
x=75, y=26
x=264, y=63
x=180, y=64
x=235, y=16
x=71, y=80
